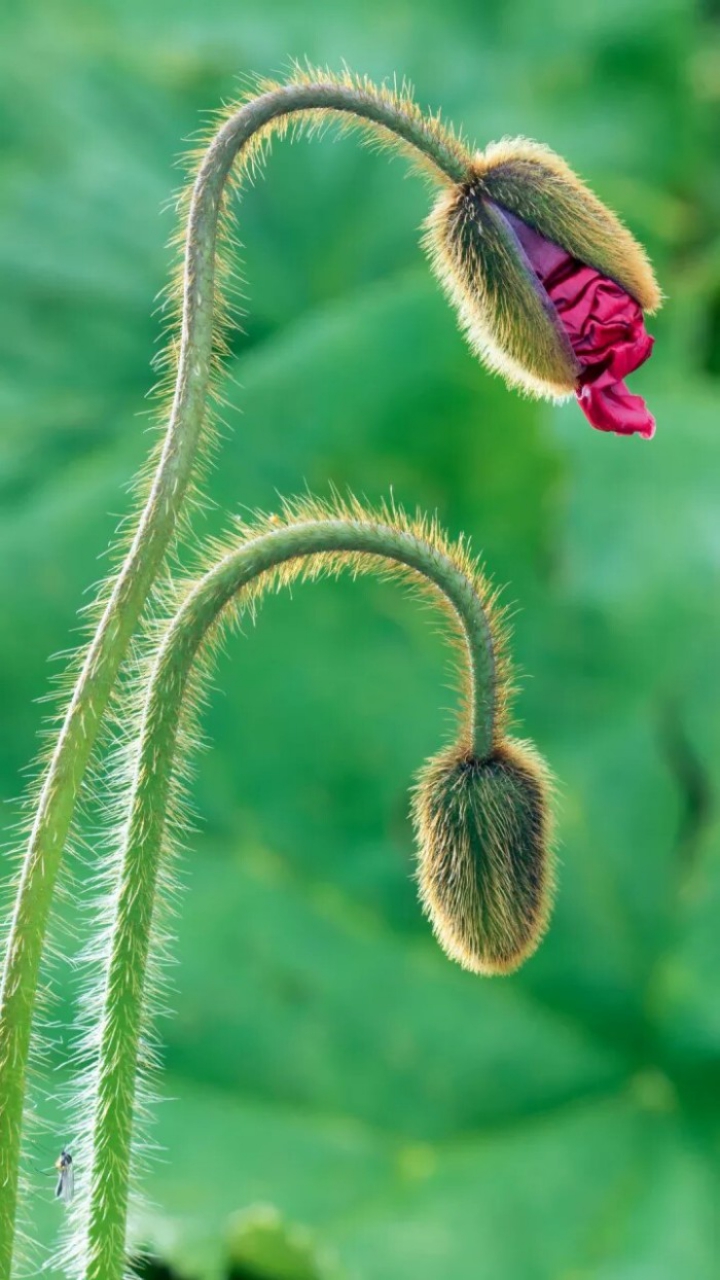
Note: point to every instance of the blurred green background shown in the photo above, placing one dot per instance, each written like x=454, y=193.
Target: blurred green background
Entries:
x=346, y=1104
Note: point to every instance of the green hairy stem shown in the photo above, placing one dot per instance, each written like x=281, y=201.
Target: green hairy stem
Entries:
x=394, y=118
x=144, y=842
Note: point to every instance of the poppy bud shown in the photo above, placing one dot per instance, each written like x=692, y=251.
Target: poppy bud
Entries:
x=485, y=856
x=550, y=286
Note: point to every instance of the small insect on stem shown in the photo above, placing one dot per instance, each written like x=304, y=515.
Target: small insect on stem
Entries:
x=66, y=1178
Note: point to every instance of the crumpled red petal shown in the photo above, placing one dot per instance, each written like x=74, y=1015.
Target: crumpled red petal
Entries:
x=614, y=408
x=606, y=329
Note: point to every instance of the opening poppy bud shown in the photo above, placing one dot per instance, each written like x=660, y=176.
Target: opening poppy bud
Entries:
x=550, y=286
x=485, y=854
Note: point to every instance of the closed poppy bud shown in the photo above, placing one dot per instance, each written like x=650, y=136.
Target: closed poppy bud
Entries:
x=550, y=287
x=485, y=855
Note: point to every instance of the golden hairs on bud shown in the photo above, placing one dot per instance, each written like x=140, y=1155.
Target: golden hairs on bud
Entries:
x=485, y=854
x=509, y=318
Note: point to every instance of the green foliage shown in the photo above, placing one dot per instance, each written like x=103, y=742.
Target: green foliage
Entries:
x=263, y=1245
x=324, y=1059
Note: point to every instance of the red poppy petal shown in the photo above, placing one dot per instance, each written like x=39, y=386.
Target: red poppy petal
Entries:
x=614, y=408
x=623, y=359
x=606, y=329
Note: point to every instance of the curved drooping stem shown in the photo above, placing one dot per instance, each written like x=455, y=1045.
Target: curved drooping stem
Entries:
x=393, y=117
x=312, y=546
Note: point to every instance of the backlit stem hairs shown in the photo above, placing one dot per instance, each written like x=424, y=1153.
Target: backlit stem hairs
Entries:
x=315, y=542
x=391, y=118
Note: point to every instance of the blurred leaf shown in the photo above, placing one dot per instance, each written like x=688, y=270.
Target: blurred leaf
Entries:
x=595, y=1186
x=327, y=1061
x=262, y=1245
